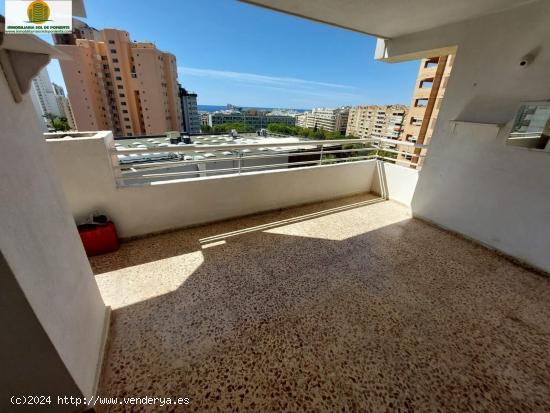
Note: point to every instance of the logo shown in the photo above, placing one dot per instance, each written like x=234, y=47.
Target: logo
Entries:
x=39, y=16
x=38, y=12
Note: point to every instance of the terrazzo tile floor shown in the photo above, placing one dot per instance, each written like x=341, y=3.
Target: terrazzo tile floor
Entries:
x=349, y=305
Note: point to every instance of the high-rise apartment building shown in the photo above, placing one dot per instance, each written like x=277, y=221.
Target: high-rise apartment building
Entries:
x=43, y=97
x=80, y=31
x=115, y=84
x=190, y=113
x=377, y=121
x=330, y=120
x=64, y=105
x=66, y=110
x=58, y=90
x=429, y=91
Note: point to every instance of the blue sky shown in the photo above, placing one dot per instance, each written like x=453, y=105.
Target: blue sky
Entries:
x=232, y=52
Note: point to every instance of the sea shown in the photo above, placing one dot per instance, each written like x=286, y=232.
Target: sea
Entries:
x=214, y=108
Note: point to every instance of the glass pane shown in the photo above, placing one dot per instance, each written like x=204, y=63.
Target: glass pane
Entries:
x=531, y=127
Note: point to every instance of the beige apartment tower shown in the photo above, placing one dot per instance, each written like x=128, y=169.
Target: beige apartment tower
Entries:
x=372, y=121
x=115, y=84
x=429, y=91
x=328, y=119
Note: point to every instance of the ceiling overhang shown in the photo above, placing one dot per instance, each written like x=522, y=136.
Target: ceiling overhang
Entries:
x=389, y=18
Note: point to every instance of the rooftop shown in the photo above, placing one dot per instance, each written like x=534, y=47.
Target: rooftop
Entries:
x=346, y=305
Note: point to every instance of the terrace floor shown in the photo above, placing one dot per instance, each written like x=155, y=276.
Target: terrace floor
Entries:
x=347, y=305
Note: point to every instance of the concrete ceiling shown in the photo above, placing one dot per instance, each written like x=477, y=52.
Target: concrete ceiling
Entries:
x=389, y=18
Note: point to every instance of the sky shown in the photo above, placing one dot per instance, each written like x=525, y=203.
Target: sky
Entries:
x=233, y=52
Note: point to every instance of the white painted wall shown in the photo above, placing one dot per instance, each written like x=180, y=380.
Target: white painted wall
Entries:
x=46, y=261
x=88, y=179
x=395, y=182
x=472, y=182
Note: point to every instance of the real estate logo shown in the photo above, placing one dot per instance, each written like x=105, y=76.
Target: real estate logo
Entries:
x=38, y=12
x=39, y=16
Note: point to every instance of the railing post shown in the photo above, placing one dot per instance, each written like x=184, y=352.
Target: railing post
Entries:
x=321, y=157
x=240, y=162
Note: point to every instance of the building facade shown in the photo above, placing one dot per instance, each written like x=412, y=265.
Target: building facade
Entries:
x=301, y=119
x=374, y=121
x=116, y=84
x=64, y=105
x=43, y=97
x=80, y=31
x=66, y=110
x=58, y=90
x=330, y=120
x=204, y=118
x=190, y=113
x=254, y=118
x=429, y=91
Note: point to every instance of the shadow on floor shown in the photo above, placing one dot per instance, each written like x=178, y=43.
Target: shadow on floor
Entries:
x=174, y=243
x=364, y=309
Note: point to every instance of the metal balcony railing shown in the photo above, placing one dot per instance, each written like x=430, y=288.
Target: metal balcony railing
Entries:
x=170, y=162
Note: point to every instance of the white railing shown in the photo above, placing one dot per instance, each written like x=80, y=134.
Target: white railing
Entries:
x=145, y=165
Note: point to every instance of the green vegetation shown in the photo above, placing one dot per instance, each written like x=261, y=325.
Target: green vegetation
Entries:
x=58, y=124
x=323, y=135
x=317, y=134
x=206, y=128
x=313, y=134
x=228, y=127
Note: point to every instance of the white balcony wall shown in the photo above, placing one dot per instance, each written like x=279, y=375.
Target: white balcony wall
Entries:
x=395, y=182
x=472, y=182
x=52, y=314
x=88, y=178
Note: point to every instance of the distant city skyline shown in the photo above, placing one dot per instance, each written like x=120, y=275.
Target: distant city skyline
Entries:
x=231, y=52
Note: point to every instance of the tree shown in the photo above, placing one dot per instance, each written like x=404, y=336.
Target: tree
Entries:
x=57, y=123
x=61, y=124
x=316, y=133
x=206, y=128
x=228, y=127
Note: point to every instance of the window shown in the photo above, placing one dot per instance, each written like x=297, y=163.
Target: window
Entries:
x=531, y=127
x=421, y=103
x=111, y=42
x=118, y=78
x=430, y=63
x=127, y=119
x=117, y=69
x=416, y=121
x=113, y=50
x=426, y=83
x=124, y=111
x=122, y=95
x=120, y=87
x=115, y=60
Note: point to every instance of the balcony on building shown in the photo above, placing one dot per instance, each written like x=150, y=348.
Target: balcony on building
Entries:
x=298, y=275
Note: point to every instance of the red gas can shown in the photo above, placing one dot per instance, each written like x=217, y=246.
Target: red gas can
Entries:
x=99, y=239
